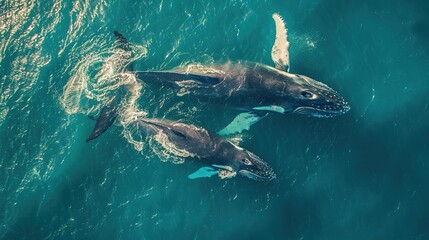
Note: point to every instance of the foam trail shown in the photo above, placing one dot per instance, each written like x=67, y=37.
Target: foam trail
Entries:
x=99, y=75
x=96, y=76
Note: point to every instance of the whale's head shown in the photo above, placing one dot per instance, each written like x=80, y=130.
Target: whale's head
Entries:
x=247, y=164
x=313, y=98
x=251, y=166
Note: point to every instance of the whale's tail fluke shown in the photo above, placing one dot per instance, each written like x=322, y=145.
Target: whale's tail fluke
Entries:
x=121, y=41
x=106, y=118
x=110, y=111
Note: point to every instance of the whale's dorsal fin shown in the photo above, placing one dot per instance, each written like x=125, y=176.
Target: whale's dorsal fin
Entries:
x=170, y=76
x=280, y=50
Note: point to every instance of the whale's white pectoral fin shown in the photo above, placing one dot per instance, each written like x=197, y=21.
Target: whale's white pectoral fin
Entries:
x=272, y=108
x=203, y=172
x=280, y=50
x=225, y=172
x=242, y=122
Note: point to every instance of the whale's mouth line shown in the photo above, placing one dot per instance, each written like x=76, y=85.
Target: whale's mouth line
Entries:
x=322, y=112
x=255, y=176
x=229, y=172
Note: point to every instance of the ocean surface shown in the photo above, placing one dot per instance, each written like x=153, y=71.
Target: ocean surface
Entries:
x=362, y=175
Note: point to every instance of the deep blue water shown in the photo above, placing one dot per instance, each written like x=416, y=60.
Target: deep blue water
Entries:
x=362, y=175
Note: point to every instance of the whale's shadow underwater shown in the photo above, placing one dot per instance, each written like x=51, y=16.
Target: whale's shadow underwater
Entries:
x=256, y=88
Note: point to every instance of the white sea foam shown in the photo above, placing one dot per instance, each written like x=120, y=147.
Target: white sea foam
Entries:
x=97, y=77
x=167, y=150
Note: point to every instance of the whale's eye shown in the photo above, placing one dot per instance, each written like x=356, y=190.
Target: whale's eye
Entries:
x=306, y=94
x=246, y=161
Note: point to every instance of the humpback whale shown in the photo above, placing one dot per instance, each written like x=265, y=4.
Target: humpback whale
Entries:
x=255, y=87
x=226, y=159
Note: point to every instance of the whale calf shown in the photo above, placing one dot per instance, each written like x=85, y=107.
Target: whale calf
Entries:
x=226, y=159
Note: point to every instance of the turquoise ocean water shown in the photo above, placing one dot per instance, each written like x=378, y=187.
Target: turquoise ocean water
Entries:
x=362, y=175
